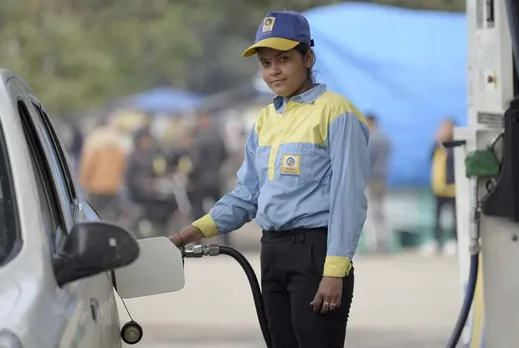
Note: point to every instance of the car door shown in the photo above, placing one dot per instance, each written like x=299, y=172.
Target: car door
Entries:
x=82, y=329
x=59, y=314
x=100, y=291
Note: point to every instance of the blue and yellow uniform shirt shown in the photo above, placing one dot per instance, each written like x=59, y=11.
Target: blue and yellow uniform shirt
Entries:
x=306, y=166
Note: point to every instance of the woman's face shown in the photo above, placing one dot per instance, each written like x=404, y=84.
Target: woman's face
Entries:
x=284, y=71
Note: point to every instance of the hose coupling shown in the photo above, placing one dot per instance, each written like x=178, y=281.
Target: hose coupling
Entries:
x=474, y=247
x=197, y=251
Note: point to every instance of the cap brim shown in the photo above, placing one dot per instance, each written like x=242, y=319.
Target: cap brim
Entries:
x=275, y=43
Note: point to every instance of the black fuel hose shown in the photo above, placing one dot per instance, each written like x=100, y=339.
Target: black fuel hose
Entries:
x=467, y=302
x=255, y=288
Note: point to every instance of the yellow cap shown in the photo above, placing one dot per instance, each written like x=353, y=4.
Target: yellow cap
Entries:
x=276, y=43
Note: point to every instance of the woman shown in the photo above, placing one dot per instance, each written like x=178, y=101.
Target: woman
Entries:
x=303, y=178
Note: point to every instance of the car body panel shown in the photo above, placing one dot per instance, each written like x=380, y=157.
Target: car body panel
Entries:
x=40, y=313
x=46, y=203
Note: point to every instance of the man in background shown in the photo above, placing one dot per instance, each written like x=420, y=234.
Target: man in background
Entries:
x=444, y=189
x=102, y=168
x=139, y=172
x=377, y=230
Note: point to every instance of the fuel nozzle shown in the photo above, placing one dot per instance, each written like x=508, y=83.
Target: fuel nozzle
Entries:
x=197, y=251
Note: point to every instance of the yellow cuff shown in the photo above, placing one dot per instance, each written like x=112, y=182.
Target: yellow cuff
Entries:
x=207, y=226
x=337, y=266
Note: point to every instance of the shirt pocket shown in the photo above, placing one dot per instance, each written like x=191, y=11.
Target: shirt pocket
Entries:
x=295, y=164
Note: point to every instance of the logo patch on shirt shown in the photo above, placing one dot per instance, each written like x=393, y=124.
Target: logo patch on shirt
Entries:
x=268, y=24
x=290, y=164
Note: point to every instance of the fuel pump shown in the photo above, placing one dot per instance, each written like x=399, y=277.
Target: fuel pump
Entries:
x=487, y=162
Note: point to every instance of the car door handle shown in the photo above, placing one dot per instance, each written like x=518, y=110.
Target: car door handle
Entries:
x=94, y=308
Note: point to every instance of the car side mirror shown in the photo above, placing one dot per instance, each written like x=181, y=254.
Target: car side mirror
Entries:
x=92, y=248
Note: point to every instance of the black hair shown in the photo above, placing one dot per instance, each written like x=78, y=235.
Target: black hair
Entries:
x=303, y=49
x=371, y=117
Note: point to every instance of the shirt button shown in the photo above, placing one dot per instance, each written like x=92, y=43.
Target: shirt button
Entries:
x=287, y=114
x=280, y=131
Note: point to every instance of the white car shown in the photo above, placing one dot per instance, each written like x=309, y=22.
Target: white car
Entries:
x=58, y=262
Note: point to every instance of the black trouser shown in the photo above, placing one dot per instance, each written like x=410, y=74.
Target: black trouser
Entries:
x=441, y=204
x=292, y=265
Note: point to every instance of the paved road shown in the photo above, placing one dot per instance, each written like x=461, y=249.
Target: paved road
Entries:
x=401, y=301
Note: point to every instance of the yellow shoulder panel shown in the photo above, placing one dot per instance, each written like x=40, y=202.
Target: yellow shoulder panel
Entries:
x=333, y=106
x=336, y=104
x=303, y=123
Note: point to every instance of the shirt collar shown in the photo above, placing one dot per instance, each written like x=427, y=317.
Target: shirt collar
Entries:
x=307, y=97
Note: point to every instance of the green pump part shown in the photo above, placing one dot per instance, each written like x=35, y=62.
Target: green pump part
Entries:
x=482, y=163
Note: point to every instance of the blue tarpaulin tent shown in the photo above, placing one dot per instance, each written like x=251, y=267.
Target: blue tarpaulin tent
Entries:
x=164, y=100
x=406, y=66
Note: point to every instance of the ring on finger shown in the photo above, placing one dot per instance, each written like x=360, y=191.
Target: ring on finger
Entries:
x=326, y=304
x=333, y=305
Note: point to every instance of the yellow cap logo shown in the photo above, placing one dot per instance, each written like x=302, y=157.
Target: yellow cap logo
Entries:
x=268, y=24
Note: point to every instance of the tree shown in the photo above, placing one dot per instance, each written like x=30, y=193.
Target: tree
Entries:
x=78, y=55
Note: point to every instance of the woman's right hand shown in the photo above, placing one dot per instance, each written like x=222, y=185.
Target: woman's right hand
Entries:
x=187, y=235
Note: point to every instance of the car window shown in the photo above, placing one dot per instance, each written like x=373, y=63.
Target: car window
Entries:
x=53, y=218
x=58, y=151
x=10, y=237
x=46, y=144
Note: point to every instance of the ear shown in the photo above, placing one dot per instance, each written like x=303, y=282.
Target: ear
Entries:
x=309, y=59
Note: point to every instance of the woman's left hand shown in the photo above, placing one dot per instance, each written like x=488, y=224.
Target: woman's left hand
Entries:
x=328, y=296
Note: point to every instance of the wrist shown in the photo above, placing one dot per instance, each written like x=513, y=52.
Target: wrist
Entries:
x=195, y=233
x=180, y=240
x=191, y=234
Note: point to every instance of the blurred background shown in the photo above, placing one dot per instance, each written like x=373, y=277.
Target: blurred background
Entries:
x=153, y=101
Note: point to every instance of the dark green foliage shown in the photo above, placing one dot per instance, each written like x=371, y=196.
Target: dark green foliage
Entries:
x=78, y=55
